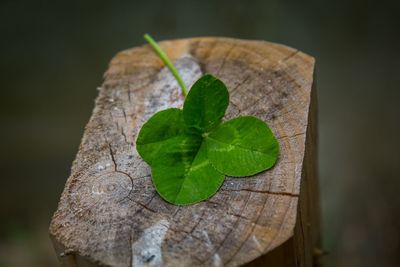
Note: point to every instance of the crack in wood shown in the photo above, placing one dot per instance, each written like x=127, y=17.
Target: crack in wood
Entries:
x=262, y=192
x=290, y=136
x=112, y=157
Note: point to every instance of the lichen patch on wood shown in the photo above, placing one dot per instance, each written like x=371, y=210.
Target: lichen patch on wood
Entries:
x=146, y=251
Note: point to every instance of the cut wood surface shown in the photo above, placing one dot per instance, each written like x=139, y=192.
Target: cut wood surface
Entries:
x=109, y=213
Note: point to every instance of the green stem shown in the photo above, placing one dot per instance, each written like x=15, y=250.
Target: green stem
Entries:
x=167, y=62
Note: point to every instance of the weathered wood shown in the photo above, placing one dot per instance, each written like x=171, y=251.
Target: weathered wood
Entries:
x=109, y=213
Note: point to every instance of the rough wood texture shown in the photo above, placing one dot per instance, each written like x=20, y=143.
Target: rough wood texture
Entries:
x=109, y=213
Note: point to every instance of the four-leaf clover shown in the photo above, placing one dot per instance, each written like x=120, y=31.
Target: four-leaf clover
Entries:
x=191, y=150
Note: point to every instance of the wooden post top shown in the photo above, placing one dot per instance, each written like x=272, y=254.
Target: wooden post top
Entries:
x=109, y=213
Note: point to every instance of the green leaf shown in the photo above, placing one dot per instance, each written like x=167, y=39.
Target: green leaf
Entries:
x=242, y=146
x=205, y=104
x=181, y=172
x=185, y=175
x=162, y=130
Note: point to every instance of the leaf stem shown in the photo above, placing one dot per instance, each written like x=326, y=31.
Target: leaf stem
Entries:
x=167, y=62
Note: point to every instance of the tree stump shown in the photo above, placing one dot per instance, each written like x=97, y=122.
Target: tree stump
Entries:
x=109, y=213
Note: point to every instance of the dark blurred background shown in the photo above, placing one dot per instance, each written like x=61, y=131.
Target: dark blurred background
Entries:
x=53, y=55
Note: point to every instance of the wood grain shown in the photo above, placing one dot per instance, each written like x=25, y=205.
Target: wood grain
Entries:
x=109, y=213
